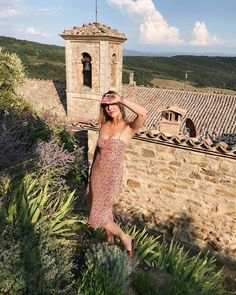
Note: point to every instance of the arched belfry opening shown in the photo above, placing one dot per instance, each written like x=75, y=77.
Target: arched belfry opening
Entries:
x=87, y=69
x=113, y=70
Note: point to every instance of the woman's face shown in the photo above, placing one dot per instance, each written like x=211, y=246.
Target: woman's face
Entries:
x=113, y=110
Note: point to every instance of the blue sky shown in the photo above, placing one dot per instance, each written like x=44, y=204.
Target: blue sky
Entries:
x=188, y=26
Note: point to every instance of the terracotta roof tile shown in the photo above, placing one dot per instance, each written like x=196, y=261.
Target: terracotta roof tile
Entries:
x=197, y=144
x=94, y=29
x=214, y=113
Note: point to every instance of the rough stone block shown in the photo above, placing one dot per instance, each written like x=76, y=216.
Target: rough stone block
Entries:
x=147, y=153
x=194, y=175
x=224, y=192
x=175, y=163
x=133, y=183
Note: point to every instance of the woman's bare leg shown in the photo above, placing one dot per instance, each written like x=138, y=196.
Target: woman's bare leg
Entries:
x=116, y=230
x=109, y=237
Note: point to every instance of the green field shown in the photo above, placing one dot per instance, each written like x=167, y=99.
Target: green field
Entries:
x=48, y=62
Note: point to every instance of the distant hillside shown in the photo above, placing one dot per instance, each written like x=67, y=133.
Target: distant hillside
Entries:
x=40, y=60
x=48, y=62
x=202, y=71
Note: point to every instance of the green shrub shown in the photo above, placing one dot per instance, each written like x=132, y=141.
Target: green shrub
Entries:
x=33, y=203
x=13, y=104
x=11, y=71
x=143, y=284
x=96, y=281
x=78, y=174
x=192, y=275
x=33, y=128
x=112, y=260
x=4, y=186
x=28, y=265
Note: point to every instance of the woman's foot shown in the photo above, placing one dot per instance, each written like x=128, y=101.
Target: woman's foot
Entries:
x=128, y=243
x=110, y=239
x=111, y=242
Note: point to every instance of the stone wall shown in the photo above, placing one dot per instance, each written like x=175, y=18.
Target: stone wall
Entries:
x=45, y=95
x=183, y=192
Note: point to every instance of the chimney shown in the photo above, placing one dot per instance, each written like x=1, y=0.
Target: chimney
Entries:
x=131, y=79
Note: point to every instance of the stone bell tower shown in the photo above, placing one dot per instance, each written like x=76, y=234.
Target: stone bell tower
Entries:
x=94, y=58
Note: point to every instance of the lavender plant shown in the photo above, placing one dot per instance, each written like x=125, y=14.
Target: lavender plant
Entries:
x=111, y=260
x=54, y=160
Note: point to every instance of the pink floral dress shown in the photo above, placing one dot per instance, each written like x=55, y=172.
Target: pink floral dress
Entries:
x=105, y=180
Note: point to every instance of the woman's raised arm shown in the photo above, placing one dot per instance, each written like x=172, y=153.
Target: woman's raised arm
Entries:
x=140, y=111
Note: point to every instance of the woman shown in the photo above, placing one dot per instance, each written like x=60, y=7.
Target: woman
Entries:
x=106, y=172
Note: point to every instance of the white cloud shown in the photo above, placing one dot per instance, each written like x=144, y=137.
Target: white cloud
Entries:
x=202, y=37
x=9, y=9
x=153, y=27
x=45, y=11
x=36, y=32
x=13, y=8
x=8, y=13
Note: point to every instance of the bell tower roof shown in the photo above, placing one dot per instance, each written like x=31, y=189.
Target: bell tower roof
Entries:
x=93, y=31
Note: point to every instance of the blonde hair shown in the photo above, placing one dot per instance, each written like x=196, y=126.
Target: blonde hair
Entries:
x=103, y=115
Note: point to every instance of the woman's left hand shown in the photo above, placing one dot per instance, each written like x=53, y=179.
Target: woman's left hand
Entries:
x=110, y=99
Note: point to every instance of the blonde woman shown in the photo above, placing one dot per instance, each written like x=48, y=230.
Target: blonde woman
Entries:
x=107, y=169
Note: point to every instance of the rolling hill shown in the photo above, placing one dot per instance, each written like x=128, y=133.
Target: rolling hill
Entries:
x=48, y=62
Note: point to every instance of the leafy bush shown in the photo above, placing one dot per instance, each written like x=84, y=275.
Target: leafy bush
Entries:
x=28, y=265
x=96, y=281
x=28, y=142
x=21, y=130
x=4, y=187
x=143, y=284
x=33, y=203
x=112, y=260
x=193, y=275
x=11, y=71
x=11, y=104
x=33, y=128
